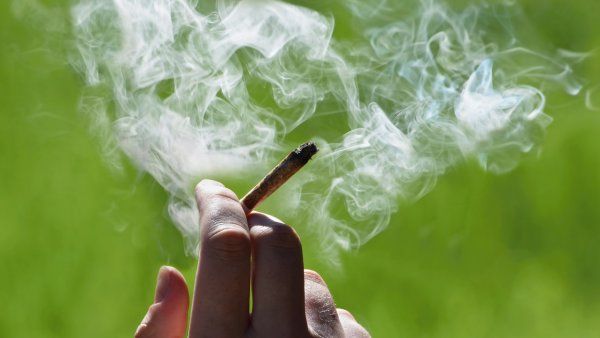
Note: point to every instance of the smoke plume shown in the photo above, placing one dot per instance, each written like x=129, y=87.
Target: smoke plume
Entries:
x=199, y=91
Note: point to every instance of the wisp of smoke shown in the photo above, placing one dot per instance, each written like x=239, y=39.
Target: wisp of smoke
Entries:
x=199, y=93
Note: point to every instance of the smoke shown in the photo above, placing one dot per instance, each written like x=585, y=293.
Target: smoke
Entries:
x=590, y=95
x=203, y=92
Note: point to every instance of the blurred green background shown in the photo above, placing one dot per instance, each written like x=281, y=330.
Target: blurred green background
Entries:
x=516, y=255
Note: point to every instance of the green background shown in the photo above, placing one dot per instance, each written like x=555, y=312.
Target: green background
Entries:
x=516, y=255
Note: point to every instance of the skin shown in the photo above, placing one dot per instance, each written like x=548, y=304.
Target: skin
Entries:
x=240, y=255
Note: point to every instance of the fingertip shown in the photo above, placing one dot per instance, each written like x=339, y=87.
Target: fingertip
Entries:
x=168, y=314
x=259, y=218
x=321, y=312
x=314, y=277
x=206, y=185
x=170, y=282
x=209, y=182
x=345, y=313
x=172, y=272
x=209, y=192
x=162, y=284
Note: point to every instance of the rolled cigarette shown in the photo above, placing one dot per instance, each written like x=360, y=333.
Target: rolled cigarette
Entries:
x=279, y=175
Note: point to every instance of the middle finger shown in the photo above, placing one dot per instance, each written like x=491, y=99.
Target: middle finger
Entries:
x=278, y=279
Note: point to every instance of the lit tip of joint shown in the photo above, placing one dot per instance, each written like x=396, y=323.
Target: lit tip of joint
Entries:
x=282, y=172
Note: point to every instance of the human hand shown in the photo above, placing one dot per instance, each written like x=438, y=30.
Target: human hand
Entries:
x=240, y=253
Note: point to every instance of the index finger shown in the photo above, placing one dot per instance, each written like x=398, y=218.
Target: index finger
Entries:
x=221, y=296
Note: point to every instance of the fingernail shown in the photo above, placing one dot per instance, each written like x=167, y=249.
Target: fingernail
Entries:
x=162, y=284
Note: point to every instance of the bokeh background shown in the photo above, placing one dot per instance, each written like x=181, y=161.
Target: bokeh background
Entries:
x=516, y=255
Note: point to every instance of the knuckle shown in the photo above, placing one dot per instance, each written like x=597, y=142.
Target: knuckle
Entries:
x=228, y=243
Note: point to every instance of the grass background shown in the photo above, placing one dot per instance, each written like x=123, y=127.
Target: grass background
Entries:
x=516, y=255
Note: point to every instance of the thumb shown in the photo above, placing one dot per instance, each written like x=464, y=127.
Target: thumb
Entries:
x=167, y=317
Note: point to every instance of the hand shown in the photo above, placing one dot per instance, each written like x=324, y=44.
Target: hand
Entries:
x=238, y=253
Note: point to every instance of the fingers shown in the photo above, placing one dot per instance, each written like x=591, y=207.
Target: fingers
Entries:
x=351, y=327
x=220, y=307
x=321, y=314
x=167, y=317
x=278, y=278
